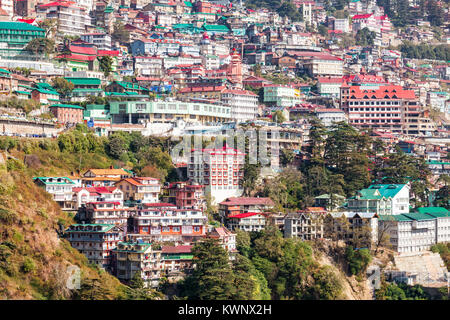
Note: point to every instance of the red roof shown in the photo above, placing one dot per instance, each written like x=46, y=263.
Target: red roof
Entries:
x=83, y=50
x=58, y=3
x=159, y=204
x=245, y=215
x=362, y=16
x=78, y=57
x=247, y=201
x=114, y=53
x=176, y=249
x=383, y=92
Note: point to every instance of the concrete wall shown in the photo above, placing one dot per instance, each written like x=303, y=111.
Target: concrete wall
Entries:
x=22, y=127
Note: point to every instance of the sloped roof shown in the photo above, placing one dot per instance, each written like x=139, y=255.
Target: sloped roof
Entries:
x=84, y=81
x=19, y=26
x=387, y=190
x=245, y=215
x=247, y=201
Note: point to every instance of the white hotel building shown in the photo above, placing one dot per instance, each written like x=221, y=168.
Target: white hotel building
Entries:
x=243, y=103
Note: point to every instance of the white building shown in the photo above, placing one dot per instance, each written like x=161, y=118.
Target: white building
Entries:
x=8, y=6
x=329, y=116
x=101, y=40
x=282, y=95
x=59, y=187
x=148, y=66
x=249, y=221
x=341, y=24
x=144, y=189
x=329, y=87
x=387, y=199
x=84, y=195
x=243, y=103
x=220, y=170
x=72, y=19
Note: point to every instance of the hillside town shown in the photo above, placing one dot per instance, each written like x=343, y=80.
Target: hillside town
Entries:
x=336, y=116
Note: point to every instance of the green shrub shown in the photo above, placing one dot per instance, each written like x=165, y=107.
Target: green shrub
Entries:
x=14, y=165
x=357, y=260
x=28, y=266
x=7, y=216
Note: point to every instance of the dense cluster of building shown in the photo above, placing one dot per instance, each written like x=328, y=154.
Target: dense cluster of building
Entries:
x=178, y=68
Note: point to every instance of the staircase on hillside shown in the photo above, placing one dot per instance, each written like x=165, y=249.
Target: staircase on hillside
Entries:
x=426, y=267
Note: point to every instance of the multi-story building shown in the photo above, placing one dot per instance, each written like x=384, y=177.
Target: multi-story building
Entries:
x=226, y=238
x=8, y=6
x=167, y=112
x=14, y=36
x=95, y=241
x=149, y=66
x=306, y=224
x=388, y=107
x=387, y=199
x=249, y=221
x=329, y=87
x=143, y=189
x=155, y=47
x=24, y=8
x=329, y=116
x=109, y=212
x=67, y=113
x=104, y=177
x=185, y=195
x=219, y=169
x=361, y=225
x=176, y=261
x=101, y=40
x=130, y=258
x=233, y=206
x=282, y=95
x=243, y=103
x=84, y=195
x=319, y=64
x=168, y=224
x=60, y=188
x=416, y=231
x=71, y=19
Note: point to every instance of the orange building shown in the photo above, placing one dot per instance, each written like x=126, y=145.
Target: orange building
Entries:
x=67, y=113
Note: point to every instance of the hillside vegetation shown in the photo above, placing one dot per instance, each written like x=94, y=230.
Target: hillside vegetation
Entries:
x=35, y=263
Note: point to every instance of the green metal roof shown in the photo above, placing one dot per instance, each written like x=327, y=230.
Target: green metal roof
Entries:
x=87, y=90
x=387, y=190
x=397, y=217
x=432, y=210
x=130, y=85
x=84, y=81
x=105, y=227
x=23, y=92
x=46, y=91
x=418, y=216
x=438, y=162
x=4, y=71
x=95, y=107
x=72, y=106
x=435, y=212
x=188, y=4
x=23, y=26
x=215, y=27
x=44, y=180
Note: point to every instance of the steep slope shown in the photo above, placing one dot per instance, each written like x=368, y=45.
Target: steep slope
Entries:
x=35, y=263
